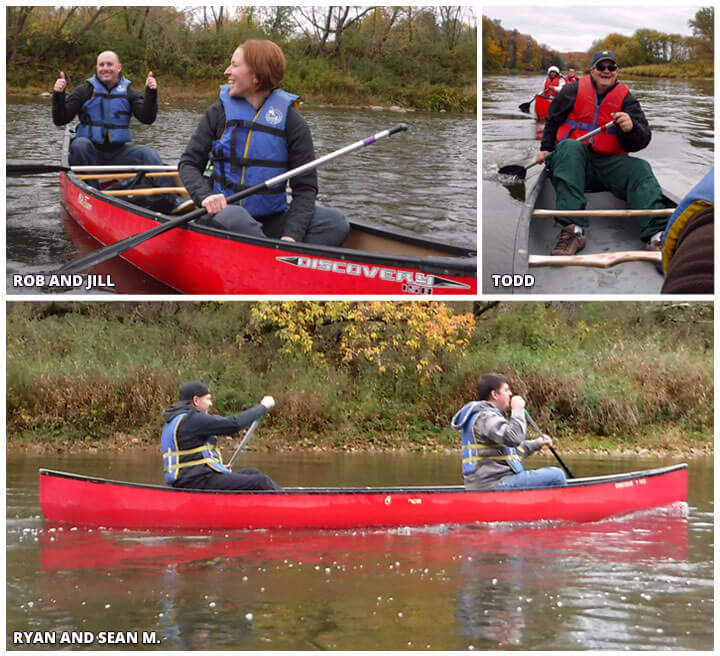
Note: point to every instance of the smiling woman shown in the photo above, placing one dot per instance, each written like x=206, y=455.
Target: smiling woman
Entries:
x=252, y=133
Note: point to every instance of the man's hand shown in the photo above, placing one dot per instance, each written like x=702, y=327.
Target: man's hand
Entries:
x=151, y=82
x=517, y=402
x=623, y=121
x=213, y=204
x=286, y=238
x=60, y=83
x=540, y=157
x=545, y=440
x=268, y=402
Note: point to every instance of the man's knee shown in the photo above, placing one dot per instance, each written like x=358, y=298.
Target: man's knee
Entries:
x=82, y=150
x=147, y=155
x=330, y=227
x=235, y=219
x=639, y=169
x=558, y=476
x=570, y=146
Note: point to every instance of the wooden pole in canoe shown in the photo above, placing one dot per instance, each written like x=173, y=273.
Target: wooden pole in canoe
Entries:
x=145, y=191
x=596, y=260
x=113, y=250
x=537, y=214
x=125, y=176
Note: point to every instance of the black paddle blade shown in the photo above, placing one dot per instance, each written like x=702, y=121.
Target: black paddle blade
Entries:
x=15, y=168
x=525, y=107
x=514, y=170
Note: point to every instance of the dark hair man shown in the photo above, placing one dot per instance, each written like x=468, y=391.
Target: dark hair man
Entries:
x=601, y=162
x=190, y=457
x=493, y=447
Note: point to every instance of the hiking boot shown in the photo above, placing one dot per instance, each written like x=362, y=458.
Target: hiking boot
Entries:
x=656, y=246
x=570, y=242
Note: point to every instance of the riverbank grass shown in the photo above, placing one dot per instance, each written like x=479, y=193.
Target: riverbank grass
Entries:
x=370, y=376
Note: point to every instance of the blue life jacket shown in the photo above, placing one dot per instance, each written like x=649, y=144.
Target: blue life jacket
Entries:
x=105, y=117
x=174, y=459
x=474, y=450
x=253, y=148
x=700, y=196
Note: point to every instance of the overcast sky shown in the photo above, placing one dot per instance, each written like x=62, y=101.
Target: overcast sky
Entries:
x=574, y=28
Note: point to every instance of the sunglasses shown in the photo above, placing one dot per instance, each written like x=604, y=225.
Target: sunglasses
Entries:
x=606, y=67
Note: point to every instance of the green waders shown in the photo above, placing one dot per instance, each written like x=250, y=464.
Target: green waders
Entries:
x=575, y=168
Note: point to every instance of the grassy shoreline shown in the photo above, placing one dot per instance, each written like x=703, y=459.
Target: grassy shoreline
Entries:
x=696, y=71
x=436, y=98
x=361, y=376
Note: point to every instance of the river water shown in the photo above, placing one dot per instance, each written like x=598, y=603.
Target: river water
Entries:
x=423, y=180
x=638, y=582
x=681, y=116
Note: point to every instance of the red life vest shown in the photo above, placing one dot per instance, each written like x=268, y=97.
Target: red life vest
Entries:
x=570, y=79
x=585, y=116
x=550, y=91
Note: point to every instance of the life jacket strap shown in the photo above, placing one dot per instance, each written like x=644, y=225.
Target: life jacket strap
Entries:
x=258, y=127
x=174, y=466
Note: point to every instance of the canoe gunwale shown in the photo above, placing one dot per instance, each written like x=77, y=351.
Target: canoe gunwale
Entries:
x=430, y=489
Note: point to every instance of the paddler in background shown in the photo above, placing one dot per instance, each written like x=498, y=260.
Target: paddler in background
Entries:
x=252, y=133
x=571, y=76
x=190, y=456
x=602, y=162
x=104, y=104
x=553, y=82
x=494, y=447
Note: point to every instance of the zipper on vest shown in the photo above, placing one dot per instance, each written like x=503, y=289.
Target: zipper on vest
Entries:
x=247, y=146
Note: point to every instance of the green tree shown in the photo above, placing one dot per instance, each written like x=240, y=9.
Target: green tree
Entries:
x=703, y=25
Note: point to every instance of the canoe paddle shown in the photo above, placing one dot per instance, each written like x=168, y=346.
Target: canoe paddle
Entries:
x=108, y=252
x=242, y=444
x=525, y=107
x=14, y=169
x=549, y=446
x=518, y=171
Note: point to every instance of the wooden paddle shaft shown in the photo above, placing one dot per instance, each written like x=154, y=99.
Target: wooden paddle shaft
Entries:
x=607, y=213
x=123, y=176
x=146, y=191
x=596, y=260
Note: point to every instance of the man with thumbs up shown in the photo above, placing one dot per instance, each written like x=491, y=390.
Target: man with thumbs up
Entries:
x=104, y=104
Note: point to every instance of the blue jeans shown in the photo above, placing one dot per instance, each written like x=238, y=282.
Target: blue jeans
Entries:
x=84, y=153
x=328, y=226
x=544, y=477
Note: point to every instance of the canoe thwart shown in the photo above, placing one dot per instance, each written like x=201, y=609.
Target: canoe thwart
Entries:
x=146, y=191
x=124, y=176
x=597, y=260
x=537, y=214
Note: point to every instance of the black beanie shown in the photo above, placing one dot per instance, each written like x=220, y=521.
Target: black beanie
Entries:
x=193, y=388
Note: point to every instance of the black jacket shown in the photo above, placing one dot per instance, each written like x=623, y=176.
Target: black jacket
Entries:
x=197, y=427
x=637, y=139
x=300, y=151
x=144, y=107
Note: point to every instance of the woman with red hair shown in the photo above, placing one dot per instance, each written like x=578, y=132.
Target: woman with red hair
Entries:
x=252, y=133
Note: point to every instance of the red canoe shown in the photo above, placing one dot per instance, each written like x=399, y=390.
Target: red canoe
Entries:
x=542, y=104
x=83, y=500
x=196, y=259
